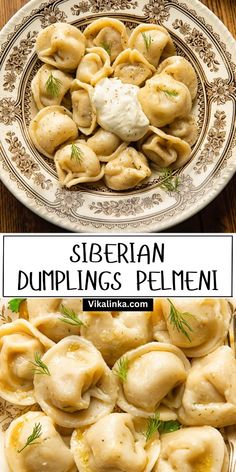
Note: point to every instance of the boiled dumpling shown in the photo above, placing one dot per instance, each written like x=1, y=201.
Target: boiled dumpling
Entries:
x=210, y=392
x=114, y=444
x=49, y=86
x=48, y=452
x=109, y=34
x=61, y=45
x=153, y=41
x=181, y=69
x=84, y=112
x=156, y=373
x=19, y=342
x=94, y=66
x=200, y=449
x=131, y=67
x=184, y=128
x=51, y=127
x=47, y=315
x=165, y=150
x=127, y=170
x=106, y=145
x=80, y=389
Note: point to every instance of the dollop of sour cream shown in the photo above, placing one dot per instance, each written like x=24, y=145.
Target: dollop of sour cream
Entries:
x=118, y=109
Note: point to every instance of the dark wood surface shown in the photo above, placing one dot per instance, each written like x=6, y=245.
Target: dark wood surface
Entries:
x=218, y=216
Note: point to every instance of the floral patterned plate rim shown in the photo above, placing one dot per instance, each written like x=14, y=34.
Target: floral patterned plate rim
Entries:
x=201, y=38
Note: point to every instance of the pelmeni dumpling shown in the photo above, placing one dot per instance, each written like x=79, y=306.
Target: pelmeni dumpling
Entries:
x=80, y=389
x=94, y=66
x=184, y=128
x=163, y=99
x=165, y=150
x=180, y=69
x=114, y=444
x=19, y=342
x=61, y=45
x=109, y=34
x=199, y=449
x=49, y=86
x=156, y=373
x=131, y=67
x=210, y=392
x=208, y=320
x=127, y=170
x=106, y=145
x=52, y=127
x=153, y=41
x=84, y=112
x=76, y=163
x=46, y=453
x=114, y=333
x=49, y=316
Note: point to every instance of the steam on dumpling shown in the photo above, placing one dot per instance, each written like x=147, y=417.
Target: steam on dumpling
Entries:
x=200, y=449
x=80, y=389
x=47, y=452
x=109, y=34
x=210, y=392
x=165, y=150
x=94, y=66
x=163, y=99
x=114, y=443
x=49, y=86
x=76, y=163
x=127, y=170
x=48, y=315
x=106, y=145
x=153, y=41
x=52, y=127
x=19, y=342
x=131, y=67
x=156, y=373
x=61, y=45
x=184, y=128
x=84, y=112
x=180, y=69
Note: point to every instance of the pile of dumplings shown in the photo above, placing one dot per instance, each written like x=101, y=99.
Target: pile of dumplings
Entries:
x=102, y=378
x=67, y=127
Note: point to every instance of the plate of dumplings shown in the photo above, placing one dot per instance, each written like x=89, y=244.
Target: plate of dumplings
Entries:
x=116, y=116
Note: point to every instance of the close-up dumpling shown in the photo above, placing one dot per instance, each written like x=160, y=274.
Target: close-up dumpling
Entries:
x=61, y=45
x=184, y=128
x=94, y=66
x=52, y=127
x=84, y=112
x=77, y=163
x=34, y=445
x=153, y=41
x=163, y=99
x=109, y=34
x=49, y=86
x=19, y=344
x=127, y=170
x=131, y=67
x=114, y=444
x=155, y=373
x=80, y=388
x=210, y=391
x=106, y=145
x=200, y=449
x=182, y=71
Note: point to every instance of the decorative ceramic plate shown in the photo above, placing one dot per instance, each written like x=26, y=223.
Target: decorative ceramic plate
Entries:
x=201, y=38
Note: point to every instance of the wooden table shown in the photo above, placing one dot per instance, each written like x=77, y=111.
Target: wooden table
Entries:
x=219, y=216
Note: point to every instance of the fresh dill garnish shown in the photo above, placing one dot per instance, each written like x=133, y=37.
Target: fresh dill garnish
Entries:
x=169, y=426
x=15, y=303
x=53, y=86
x=69, y=316
x=76, y=153
x=178, y=320
x=147, y=40
x=122, y=369
x=40, y=367
x=171, y=183
x=36, y=433
x=106, y=46
x=154, y=424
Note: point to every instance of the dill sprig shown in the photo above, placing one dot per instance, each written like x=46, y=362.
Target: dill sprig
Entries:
x=36, y=433
x=40, y=367
x=53, y=86
x=178, y=320
x=69, y=316
x=76, y=153
x=107, y=46
x=147, y=40
x=154, y=424
x=15, y=303
x=122, y=369
x=171, y=183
